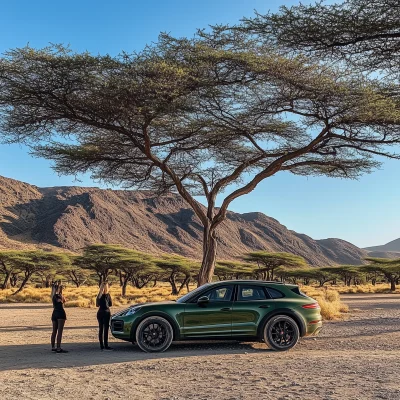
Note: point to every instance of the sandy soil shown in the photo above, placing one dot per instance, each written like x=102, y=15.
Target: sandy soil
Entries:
x=354, y=359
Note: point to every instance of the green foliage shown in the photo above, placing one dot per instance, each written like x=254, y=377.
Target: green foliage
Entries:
x=177, y=269
x=226, y=270
x=390, y=268
x=363, y=32
x=267, y=262
x=29, y=262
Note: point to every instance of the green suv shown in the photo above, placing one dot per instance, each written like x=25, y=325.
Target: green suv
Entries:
x=275, y=313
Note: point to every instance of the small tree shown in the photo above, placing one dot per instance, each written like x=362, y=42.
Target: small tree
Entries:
x=390, y=269
x=268, y=262
x=372, y=272
x=176, y=269
x=132, y=267
x=36, y=261
x=8, y=266
x=346, y=272
x=101, y=259
x=78, y=276
x=322, y=275
x=227, y=269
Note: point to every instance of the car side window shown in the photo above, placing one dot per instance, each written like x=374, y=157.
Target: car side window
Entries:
x=275, y=294
x=251, y=293
x=221, y=293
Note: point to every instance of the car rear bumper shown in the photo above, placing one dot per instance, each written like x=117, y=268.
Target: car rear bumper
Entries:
x=313, y=328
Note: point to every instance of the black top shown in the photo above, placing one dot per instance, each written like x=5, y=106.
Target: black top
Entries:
x=58, y=302
x=104, y=302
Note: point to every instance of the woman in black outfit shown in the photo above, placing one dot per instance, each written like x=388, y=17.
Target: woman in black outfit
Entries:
x=58, y=317
x=104, y=302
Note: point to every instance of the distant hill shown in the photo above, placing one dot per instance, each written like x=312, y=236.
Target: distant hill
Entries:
x=72, y=217
x=388, y=250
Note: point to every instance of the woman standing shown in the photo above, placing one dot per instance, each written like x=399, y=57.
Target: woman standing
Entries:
x=58, y=317
x=104, y=302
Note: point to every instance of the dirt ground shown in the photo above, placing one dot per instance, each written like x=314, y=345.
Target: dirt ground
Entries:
x=354, y=359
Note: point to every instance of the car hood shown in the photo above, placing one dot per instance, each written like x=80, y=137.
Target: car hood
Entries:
x=155, y=303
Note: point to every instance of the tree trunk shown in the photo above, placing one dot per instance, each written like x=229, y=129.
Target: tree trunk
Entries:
x=6, y=283
x=209, y=256
x=124, y=285
x=14, y=279
x=392, y=285
x=171, y=280
x=24, y=282
x=185, y=282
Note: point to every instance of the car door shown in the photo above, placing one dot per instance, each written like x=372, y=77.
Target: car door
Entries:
x=252, y=302
x=210, y=319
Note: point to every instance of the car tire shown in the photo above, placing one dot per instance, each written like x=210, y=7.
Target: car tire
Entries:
x=281, y=333
x=154, y=334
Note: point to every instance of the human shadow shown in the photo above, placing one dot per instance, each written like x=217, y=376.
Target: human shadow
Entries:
x=40, y=356
x=25, y=328
x=20, y=306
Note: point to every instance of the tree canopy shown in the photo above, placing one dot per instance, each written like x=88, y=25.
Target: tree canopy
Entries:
x=362, y=32
x=268, y=262
x=195, y=116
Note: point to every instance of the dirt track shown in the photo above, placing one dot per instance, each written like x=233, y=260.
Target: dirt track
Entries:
x=354, y=359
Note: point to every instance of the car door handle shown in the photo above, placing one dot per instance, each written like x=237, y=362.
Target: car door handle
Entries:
x=226, y=309
x=264, y=306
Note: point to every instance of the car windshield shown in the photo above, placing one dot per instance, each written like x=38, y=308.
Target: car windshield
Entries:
x=189, y=295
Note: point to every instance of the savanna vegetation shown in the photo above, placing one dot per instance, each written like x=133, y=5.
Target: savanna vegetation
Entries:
x=138, y=277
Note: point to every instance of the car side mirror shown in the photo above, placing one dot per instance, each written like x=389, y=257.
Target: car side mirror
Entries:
x=202, y=301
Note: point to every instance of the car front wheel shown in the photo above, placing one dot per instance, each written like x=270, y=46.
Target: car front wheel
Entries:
x=154, y=334
x=281, y=333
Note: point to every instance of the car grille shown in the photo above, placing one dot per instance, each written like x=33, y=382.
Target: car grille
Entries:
x=117, y=326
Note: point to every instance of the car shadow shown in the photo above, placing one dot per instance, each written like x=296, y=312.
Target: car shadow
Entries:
x=39, y=356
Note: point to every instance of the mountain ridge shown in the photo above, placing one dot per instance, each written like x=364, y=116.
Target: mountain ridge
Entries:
x=71, y=217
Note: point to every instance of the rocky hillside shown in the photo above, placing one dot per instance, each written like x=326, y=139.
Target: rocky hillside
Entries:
x=393, y=246
x=72, y=217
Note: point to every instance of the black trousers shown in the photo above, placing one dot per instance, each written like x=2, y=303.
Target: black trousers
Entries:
x=103, y=316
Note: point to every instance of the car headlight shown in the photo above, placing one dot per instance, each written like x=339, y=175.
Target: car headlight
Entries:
x=132, y=310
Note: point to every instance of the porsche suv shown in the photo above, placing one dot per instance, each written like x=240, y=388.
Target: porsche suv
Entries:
x=275, y=313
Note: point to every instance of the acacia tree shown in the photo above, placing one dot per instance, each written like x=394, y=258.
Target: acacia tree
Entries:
x=75, y=274
x=100, y=259
x=7, y=266
x=196, y=117
x=268, y=262
x=346, y=272
x=132, y=266
x=32, y=262
x=176, y=269
x=228, y=269
x=363, y=32
x=390, y=268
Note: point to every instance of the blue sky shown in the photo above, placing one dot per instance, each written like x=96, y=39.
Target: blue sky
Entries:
x=364, y=212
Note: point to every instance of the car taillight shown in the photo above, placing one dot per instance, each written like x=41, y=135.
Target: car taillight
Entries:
x=312, y=305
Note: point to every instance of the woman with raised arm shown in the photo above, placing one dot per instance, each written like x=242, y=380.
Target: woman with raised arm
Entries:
x=58, y=317
x=104, y=302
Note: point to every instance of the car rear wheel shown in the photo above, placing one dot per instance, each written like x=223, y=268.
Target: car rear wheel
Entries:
x=154, y=334
x=281, y=333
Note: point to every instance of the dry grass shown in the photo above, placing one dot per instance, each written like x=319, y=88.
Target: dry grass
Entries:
x=366, y=288
x=85, y=296
x=329, y=300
